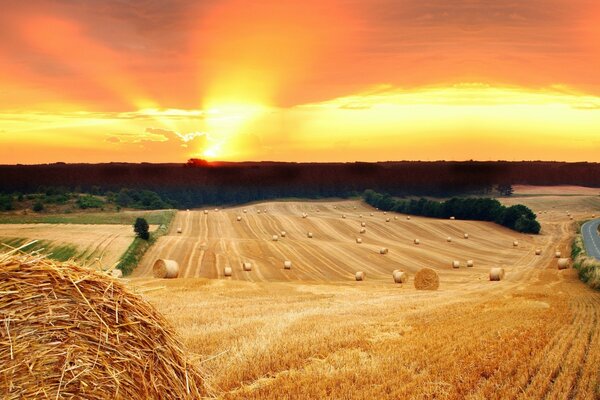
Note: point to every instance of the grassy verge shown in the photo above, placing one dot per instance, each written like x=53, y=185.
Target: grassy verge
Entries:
x=587, y=267
x=138, y=247
x=158, y=217
x=54, y=252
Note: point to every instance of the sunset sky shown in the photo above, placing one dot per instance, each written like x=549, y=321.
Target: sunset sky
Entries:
x=311, y=80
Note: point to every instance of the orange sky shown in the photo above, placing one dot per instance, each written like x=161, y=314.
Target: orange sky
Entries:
x=312, y=80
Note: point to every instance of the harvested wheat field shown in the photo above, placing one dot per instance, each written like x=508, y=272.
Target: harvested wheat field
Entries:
x=106, y=242
x=313, y=332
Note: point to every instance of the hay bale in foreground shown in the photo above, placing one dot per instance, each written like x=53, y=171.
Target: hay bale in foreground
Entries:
x=70, y=332
x=287, y=265
x=427, y=279
x=563, y=263
x=496, y=274
x=165, y=269
x=400, y=276
x=359, y=276
x=227, y=271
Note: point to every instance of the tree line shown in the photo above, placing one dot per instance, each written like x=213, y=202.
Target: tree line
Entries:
x=517, y=217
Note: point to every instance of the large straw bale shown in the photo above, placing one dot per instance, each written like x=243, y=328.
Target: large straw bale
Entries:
x=427, y=279
x=70, y=332
x=165, y=269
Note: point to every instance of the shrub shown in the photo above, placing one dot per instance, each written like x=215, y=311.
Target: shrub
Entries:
x=89, y=201
x=38, y=206
x=141, y=228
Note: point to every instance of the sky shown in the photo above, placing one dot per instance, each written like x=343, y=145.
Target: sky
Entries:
x=287, y=80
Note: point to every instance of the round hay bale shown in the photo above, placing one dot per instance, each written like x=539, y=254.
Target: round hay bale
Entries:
x=387, y=220
x=304, y=215
x=408, y=217
x=227, y=271
x=417, y=241
x=455, y=264
x=245, y=211
x=343, y=216
x=166, y=269
x=287, y=265
x=400, y=276
x=216, y=210
x=282, y=233
x=309, y=235
x=187, y=210
x=515, y=243
x=363, y=224
x=265, y=210
x=385, y=213
x=452, y=218
x=179, y=230
x=448, y=239
x=496, y=274
x=466, y=235
x=383, y=250
x=538, y=252
x=371, y=214
x=355, y=207
x=258, y=212
x=275, y=238
x=470, y=263
x=205, y=212
x=557, y=254
x=116, y=273
x=239, y=218
x=363, y=230
x=359, y=276
x=563, y=263
x=73, y=332
x=358, y=240
x=247, y=266
x=359, y=215
x=335, y=207
x=395, y=218
x=427, y=279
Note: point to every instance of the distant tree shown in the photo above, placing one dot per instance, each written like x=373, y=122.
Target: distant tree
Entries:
x=141, y=227
x=89, y=201
x=38, y=206
x=505, y=189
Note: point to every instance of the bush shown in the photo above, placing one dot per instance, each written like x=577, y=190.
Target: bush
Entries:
x=38, y=206
x=89, y=201
x=6, y=203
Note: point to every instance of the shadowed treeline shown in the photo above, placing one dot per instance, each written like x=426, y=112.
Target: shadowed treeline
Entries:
x=198, y=182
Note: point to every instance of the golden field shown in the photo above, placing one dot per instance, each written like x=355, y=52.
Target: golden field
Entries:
x=313, y=332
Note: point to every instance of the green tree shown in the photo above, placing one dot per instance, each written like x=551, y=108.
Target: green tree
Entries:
x=505, y=189
x=141, y=227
